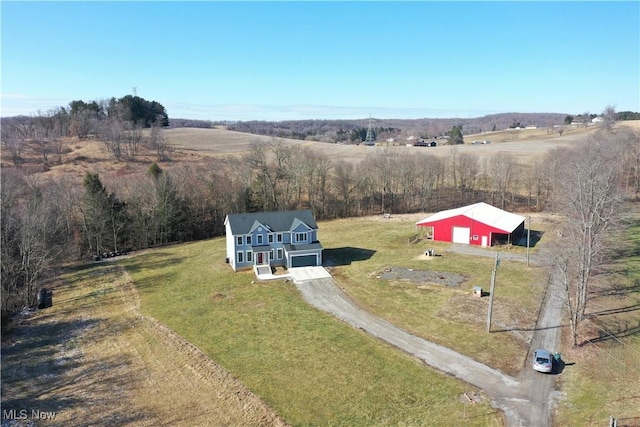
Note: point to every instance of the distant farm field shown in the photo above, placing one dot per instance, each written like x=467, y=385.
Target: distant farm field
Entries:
x=524, y=144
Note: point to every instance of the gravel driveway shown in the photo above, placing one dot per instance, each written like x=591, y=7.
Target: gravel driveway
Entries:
x=526, y=401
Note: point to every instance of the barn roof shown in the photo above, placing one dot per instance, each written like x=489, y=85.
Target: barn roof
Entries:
x=481, y=212
x=277, y=221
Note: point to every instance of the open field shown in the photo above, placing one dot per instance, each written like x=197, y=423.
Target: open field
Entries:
x=195, y=144
x=215, y=142
x=93, y=359
x=103, y=353
x=311, y=368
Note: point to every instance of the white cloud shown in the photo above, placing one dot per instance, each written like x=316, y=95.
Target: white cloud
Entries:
x=217, y=112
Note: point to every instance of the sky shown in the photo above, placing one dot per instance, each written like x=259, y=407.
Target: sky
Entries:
x=264, y=60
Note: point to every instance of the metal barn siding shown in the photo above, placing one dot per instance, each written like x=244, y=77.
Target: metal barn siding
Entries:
x=478, y=224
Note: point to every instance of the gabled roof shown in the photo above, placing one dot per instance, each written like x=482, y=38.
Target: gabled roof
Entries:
x=277, y=221
x=481, y=212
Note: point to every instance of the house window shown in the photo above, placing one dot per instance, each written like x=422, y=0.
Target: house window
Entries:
x=279, y=253
x=301, y=237
x=259, y=239
x=249, y=240
x=240, y=257
x=271, y=255
x=279, y=237
x=270, y=238
x=249, y=256
x=239, y=240
x=475, y=237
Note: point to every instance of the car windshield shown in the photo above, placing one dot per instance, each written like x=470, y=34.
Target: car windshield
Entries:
x=542, y=360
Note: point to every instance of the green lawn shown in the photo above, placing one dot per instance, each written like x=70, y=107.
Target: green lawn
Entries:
x=315, y=370
x=450, y=316
x=308, y=366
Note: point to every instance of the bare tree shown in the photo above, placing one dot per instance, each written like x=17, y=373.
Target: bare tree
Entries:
x=346, y=182
x=464, y=169
x=158, y=142
x=431, y=178
x=586, y=190
x=609, y=117
x=627, y=143
x=31, y=237
x=270, y=174
x=111, y=132
x=59, y=147
x=133, y=137
x=502, y=170
x=15, y=145
x=317, y=167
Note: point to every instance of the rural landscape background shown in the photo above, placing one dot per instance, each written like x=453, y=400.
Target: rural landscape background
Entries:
x=130, y=130
x=121, y=187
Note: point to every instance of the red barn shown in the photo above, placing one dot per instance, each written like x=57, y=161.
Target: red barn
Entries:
x=478, y=224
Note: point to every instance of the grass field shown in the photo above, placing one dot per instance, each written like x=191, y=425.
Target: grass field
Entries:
x=311, y=368
x=450, y=316
x=93, y=359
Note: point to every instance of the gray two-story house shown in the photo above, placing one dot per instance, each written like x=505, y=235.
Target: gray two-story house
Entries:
x=284, y=238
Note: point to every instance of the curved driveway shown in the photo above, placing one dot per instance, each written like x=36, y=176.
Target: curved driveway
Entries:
x=525, y=401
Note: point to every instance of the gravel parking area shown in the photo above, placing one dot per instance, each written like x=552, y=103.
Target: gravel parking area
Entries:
x=422, y=276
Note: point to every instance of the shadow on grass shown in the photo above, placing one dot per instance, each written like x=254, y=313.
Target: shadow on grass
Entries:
x=44, y=371
x=615, y=331
x=516, y=329
x=346, y=255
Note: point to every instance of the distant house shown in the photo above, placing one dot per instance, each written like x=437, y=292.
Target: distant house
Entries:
x=283, y=238
x=478, y=224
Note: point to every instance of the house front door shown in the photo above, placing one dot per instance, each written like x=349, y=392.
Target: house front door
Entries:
x=260, y=258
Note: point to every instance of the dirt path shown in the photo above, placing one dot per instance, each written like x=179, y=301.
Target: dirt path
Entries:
x=526, y=401
x=93, y=359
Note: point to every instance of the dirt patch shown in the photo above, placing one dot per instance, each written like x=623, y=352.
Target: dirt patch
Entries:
x=217, y=297
x=421, y=276
x=94, y=359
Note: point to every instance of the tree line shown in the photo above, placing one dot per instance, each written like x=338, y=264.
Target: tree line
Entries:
x=81, y=119
x=119, y=123
x=354, y=131
x=46, y=221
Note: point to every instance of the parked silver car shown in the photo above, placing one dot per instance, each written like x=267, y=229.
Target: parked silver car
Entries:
x=542, y=361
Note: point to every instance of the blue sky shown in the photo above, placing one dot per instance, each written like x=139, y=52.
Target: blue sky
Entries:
x=317, y=60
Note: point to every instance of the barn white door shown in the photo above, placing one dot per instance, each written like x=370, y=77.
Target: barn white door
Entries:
x=484, y=240
x=461, y=235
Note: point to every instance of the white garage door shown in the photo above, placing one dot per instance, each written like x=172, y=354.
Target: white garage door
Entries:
x=461, y=235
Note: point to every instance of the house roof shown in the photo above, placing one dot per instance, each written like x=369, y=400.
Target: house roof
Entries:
x=481, y=212
x=302, y=247
x=277, y=221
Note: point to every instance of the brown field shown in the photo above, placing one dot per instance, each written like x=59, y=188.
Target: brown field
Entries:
x=94, y=359
x=524, y=144
x=195, y=145
x=216, y=142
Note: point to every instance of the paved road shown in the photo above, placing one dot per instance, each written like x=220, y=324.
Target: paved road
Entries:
x=526, y=401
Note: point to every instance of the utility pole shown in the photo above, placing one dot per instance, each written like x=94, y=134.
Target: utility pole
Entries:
x=528, y=239
x=493, y=285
